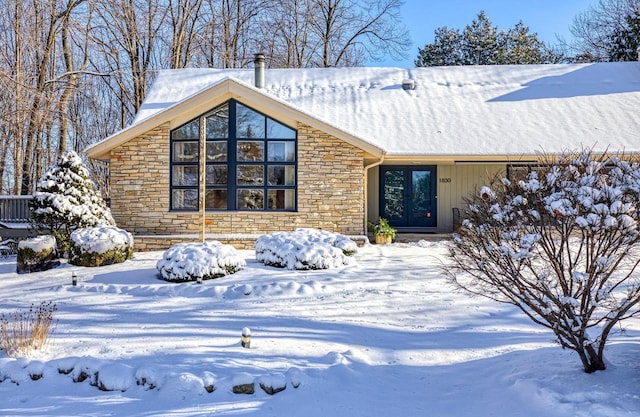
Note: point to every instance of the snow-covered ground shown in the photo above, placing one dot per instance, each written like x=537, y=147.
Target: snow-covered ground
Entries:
x=384, y=336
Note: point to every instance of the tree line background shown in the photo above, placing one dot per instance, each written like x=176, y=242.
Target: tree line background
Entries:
x=607, y=31
x=72, y=72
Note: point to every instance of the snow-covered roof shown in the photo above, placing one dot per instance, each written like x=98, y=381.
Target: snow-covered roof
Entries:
x=453, y=111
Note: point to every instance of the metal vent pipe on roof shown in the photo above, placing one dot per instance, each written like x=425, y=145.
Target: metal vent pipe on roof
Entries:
x=258, y=62
x=408, y=84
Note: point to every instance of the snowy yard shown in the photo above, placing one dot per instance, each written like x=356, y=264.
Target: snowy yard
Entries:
x=384, y=336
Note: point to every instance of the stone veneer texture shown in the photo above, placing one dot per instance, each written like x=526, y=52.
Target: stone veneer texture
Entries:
x=330, y=191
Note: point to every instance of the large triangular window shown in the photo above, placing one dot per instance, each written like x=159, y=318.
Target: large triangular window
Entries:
x=251, y=161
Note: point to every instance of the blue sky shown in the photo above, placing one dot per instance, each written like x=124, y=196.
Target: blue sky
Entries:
x=545, y=17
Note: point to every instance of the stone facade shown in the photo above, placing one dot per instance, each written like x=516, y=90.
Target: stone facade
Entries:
x=330, y=193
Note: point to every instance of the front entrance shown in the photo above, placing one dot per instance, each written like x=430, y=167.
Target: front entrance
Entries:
x=408, y=195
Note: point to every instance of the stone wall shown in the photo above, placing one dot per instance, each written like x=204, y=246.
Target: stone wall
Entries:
x=330, y=192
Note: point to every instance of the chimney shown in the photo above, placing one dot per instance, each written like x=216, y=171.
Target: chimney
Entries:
x=258, y=62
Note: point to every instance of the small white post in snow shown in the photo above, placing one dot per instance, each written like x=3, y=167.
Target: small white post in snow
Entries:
x=74, y=279
x=245, y=341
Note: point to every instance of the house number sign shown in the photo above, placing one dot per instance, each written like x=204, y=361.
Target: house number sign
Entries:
x=445, y=180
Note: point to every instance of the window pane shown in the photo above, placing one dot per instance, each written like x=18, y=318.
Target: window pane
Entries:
x=281, y=151
x=251, y=161
x=516, y=173
x=184, y=199
x=281, y=199
x=217, y=151
x=216, y=175
x=394, y=193
x=185, y=151
x=249, y=199
x=185, y=175
x=249, y=123
x=250, y=175
x=218, y=123
x=216, y=199
x=250, y=151
x=189, y=131
x=277, y=130
x=281, y=175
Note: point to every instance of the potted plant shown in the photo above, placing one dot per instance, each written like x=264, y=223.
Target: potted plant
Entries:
x=383, y=232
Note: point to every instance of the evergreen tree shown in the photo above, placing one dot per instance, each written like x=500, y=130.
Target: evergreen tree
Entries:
x=66, y=199
x=520, y=46
x=446, y=49
x=481, y=43
x=626, y=41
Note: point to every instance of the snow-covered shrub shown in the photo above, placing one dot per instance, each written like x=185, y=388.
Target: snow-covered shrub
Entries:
x=243, y=383
x=189, y=261
x=102, y=245
x=115, y=377
x=66, y=199
x=561, y=245
x=273, y=383
x=37, y=254
x=305, y=248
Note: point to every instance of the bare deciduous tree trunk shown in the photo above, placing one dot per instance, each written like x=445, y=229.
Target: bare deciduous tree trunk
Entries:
x=132, y=31
x=71, y=74
x=34, y=125
x=184, y=17
x=17, y=125
x=78, y=70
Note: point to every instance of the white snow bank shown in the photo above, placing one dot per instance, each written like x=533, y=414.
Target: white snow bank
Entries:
x=183, y=385
x=242, y=378
x=116, y=377
x=385, y=337
x=208, y=260
x=305, y=248
x=273, y=383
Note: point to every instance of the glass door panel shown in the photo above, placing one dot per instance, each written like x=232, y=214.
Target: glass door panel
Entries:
x=408, y=195
x=422, y=199
x=393, y=196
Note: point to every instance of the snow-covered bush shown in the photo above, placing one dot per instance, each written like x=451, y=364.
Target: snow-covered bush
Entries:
x=189, y=261
x=66, y=199
x=305, y=249
x=37, y=254
x=562, y=245
x=102, y=245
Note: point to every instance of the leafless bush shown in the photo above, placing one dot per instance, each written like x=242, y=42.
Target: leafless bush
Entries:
x=561, y=245
x=22, y=332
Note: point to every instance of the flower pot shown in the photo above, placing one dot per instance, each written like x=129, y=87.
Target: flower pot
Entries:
x=381, y=240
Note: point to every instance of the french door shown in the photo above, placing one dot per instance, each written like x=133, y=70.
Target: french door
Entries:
x=408, y=195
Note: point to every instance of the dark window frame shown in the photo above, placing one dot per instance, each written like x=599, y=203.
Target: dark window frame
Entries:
x=232, y=187
x=516, y=172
